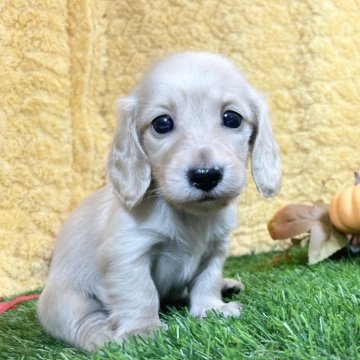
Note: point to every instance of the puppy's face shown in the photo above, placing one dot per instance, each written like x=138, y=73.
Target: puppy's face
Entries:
x=195, y=120
x=195, y=132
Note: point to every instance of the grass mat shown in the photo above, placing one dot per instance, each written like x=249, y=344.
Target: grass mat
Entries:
x=290, y=311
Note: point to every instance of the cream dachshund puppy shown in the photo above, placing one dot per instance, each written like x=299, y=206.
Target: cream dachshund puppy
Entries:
x=159, y=230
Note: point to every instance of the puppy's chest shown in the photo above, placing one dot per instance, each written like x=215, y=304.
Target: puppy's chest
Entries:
x=176, y=263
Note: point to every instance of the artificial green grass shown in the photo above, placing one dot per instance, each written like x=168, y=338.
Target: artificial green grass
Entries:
x=290, y=311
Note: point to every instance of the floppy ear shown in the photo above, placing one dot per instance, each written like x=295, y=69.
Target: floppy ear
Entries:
x=128, y=166
x=266, y=162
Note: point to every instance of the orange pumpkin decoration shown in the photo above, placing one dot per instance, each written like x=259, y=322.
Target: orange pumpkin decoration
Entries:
x=345, y=209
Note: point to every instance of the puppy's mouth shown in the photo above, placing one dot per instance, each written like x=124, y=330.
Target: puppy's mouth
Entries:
x=207, y=203
x=207, y=198
x=203, y=204
x=215, y=200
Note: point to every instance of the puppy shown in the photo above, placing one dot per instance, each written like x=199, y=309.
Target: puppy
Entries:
x=159, y=230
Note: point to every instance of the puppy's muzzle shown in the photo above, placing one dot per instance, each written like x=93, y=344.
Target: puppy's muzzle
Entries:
x=205, y=179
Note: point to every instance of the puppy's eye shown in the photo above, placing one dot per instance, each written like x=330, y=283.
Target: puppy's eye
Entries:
x=232, y=119
x=163, y=124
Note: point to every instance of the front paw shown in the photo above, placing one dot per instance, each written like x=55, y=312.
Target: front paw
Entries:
x=225, y=309
x=230, y=287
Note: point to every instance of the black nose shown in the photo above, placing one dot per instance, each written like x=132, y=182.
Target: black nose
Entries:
x=205, y=178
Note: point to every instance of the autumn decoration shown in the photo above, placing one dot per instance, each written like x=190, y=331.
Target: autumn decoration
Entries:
x=325, y=229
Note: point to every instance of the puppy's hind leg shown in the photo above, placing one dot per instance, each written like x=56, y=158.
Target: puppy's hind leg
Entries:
x=74, y=317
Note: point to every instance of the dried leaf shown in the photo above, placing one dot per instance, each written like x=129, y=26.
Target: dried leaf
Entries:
x=354, y=239
x=283, y=257
x=300, y=242
x=293, y=220
x=324, y=242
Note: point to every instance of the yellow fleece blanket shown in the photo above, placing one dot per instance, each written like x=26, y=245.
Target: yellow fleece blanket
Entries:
x=63, y=63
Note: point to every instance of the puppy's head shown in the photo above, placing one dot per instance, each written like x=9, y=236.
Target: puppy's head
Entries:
x=186, y=133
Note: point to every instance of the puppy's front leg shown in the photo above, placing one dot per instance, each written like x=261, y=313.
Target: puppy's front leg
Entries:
x=131, y=295
x=205, y=290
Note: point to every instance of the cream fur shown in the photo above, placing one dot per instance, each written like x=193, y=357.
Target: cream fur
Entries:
x=149, y=236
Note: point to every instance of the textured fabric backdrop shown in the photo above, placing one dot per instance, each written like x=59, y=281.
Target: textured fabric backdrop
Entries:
x=63, y=63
